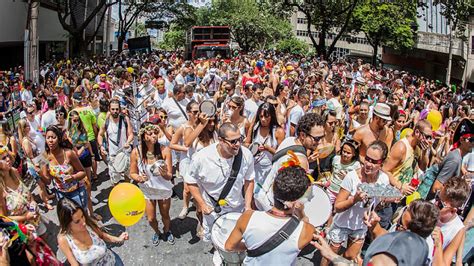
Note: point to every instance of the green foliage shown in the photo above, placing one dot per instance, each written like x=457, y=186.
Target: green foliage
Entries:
x=327, y=18
x=386, y=23
x=457, y=13
x=253, y=26
x=292, y=45
x=173, y=39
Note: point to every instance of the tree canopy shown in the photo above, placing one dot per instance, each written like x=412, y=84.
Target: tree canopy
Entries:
x=253, y=25
x=386, y=23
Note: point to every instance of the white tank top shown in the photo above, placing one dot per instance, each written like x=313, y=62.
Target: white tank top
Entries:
x=112, y=134
x=260, y=228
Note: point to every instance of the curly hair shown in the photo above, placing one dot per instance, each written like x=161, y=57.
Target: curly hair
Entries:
x=290, y=184
x=424, y=216
x=308, y=121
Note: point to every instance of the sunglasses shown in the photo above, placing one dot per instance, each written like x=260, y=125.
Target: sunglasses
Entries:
x=32, y=112
x=163, y=117
x=426, y=136
x=233, y=107
x=315, y=138
x=331, y=123
x=234, y=141
x=373, y=161
x=195, y=112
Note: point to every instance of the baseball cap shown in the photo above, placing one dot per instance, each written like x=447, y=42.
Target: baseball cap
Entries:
x=405, y=247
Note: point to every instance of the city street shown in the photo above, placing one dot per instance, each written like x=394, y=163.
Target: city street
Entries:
x=188, y=249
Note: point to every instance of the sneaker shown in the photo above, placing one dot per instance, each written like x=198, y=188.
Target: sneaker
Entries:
x=94, y=201
x=168, y=237
x=156, y=239
x=183, y=213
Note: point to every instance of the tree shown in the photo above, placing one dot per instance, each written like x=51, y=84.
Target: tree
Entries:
x=68, y=17
x=457, y=14
x=129, y=11
x=386, y=23
x=173, y=39
x=292, y=45
x=252, y=25
x=329, y=18
x=165, y=11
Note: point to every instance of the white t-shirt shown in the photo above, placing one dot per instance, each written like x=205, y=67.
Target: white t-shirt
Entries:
x=210, y=172
x=295, y=115
x=159, y=98
x=353, y=218
x=175, y=116
x=27, y=96
x=48, y=118
x=250, y=109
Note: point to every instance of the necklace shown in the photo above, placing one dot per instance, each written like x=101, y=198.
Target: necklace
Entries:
x=150, y=156
x=376, y=135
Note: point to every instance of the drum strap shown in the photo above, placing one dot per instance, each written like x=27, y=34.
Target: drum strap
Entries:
x=230, y=182
x=283, y=152
x=180, y=108
x=279, y=237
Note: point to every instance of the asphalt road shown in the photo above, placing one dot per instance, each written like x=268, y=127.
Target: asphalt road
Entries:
x=138, y=250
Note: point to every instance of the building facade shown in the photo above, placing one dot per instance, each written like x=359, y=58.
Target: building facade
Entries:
x=429, y=57
x=356, y=46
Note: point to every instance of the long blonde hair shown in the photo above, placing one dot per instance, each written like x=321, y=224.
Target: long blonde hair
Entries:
x=11, y=171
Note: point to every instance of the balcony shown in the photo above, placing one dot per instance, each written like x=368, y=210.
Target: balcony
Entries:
x=438, y=43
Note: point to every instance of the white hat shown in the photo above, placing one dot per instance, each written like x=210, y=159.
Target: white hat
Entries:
x=382, y=110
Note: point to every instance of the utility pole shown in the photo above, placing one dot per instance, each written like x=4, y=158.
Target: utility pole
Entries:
x=31, y=42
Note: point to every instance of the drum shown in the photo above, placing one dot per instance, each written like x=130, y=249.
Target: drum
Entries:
x=318, y=208
x=208, y=107
x=220, y=232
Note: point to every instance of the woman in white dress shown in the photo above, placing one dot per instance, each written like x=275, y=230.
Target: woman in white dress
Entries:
x=268, y=135
x=150, y=165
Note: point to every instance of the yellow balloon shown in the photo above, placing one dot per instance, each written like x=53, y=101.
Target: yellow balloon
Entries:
x=435, y=118
x=127, y=204
x=413, y=197
x=406, y=132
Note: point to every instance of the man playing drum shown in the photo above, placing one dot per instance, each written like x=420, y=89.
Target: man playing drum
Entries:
x=290, y=188
x=211, y=171
x=310, y=130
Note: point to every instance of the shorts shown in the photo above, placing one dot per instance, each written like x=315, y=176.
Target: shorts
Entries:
x=79, y=196
x=339, y=235
x=86, y=161
x=95, y=150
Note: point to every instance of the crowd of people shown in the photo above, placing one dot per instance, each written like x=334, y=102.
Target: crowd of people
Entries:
x=251, y=135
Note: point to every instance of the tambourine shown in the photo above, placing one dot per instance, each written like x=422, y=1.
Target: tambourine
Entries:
x=155, y=167
x=208, y=107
